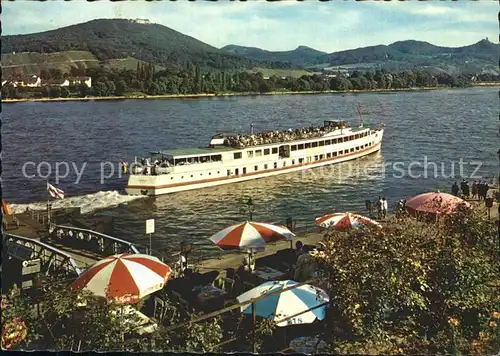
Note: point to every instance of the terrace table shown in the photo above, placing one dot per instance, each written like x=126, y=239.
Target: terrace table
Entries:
x=268, y=274
x=209, y=294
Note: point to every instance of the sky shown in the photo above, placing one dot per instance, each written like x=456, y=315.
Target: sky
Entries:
x=278, y=26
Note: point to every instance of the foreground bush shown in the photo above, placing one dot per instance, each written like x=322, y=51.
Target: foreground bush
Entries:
x=414, y=287
x=72, y=320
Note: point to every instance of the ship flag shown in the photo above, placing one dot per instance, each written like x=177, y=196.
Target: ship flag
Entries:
x=55, y=192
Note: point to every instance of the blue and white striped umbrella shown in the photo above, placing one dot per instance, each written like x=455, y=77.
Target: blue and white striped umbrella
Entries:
x=291, y=302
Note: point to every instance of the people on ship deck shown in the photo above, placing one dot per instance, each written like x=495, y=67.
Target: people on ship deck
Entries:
x=263, y=138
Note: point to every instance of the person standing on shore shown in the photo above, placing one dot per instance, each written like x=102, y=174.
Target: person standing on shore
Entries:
x=384, y=207
x=480, y=190
x=466, y=190
x=369, y=207
x=474, y=189
x=455, y=189
x=462, y=188
x=379, y=207
x=486, y=188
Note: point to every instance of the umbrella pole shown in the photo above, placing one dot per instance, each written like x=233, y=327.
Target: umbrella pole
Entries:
x=254, y=344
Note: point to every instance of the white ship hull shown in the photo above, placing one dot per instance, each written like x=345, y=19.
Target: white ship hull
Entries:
x=229, y=170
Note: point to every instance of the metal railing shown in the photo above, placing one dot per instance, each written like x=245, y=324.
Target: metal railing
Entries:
x=50, y=257
x=39, y=216
x=93, y=241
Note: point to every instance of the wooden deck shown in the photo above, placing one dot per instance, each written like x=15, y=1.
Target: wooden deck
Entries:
x=234, y=260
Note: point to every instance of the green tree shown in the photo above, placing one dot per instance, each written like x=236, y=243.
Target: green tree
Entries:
x=64, y=92
x=110, y=87
x=121, y=88
x=16, y=309
x=76, y=320
x=44, y=74
x=55, y=73
x=5, y=91
x=83, y=90
x=55, y=92
x=379, y=77
x=153, y=89
x=99, y=89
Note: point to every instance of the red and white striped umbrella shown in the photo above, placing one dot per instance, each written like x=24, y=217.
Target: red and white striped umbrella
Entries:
x=345, y=221
x=250, y=235
x=124, y=278
x=434, y=203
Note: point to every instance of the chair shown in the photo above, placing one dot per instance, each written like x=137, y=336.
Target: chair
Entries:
x=229, y=285
x=159, y=310
x=176, y=296
x=230, y=272
x=184, y=305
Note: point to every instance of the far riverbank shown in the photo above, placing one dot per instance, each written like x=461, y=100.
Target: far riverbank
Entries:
x=208, y=95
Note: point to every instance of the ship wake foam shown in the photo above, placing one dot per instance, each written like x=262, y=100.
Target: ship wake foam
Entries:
x=88, y=203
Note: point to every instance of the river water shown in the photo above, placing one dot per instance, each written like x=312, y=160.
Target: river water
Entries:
x=454, y=133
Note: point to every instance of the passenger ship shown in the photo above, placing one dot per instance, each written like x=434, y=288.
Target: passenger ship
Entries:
x=231, y=158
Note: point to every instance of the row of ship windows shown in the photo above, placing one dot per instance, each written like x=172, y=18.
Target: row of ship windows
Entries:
x=300, y=160
x=302, y=146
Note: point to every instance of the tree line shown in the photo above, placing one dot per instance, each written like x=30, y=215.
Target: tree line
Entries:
x=149, y=79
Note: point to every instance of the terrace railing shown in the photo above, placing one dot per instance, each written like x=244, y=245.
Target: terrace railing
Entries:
x=51, y=258
x=89, y=240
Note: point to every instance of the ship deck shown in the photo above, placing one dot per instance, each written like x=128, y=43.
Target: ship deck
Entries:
x=183, y=152
x=194, y=151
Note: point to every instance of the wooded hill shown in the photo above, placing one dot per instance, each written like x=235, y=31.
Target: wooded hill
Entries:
x=122, y=44
x=402, y=55
x=109, y=39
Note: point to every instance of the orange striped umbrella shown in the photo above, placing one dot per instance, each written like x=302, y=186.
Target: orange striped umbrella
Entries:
x=125, y=278
x=345, y=221
x=250, y=235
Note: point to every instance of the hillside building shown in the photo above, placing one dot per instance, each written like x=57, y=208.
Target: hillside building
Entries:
x=71, y=81
x=80, y=80
x=142, y=21
x=63, y=82
x=29, y=82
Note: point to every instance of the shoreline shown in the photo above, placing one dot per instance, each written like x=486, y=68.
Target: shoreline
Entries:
x=216, y=95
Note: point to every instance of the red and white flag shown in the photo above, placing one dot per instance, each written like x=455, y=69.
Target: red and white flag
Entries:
x=54, y=192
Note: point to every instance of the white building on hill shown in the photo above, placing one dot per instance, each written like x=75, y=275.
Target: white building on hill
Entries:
x=80, y=80
x=142, y=21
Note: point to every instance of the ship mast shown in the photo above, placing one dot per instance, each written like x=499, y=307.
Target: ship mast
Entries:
x=361, y=121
